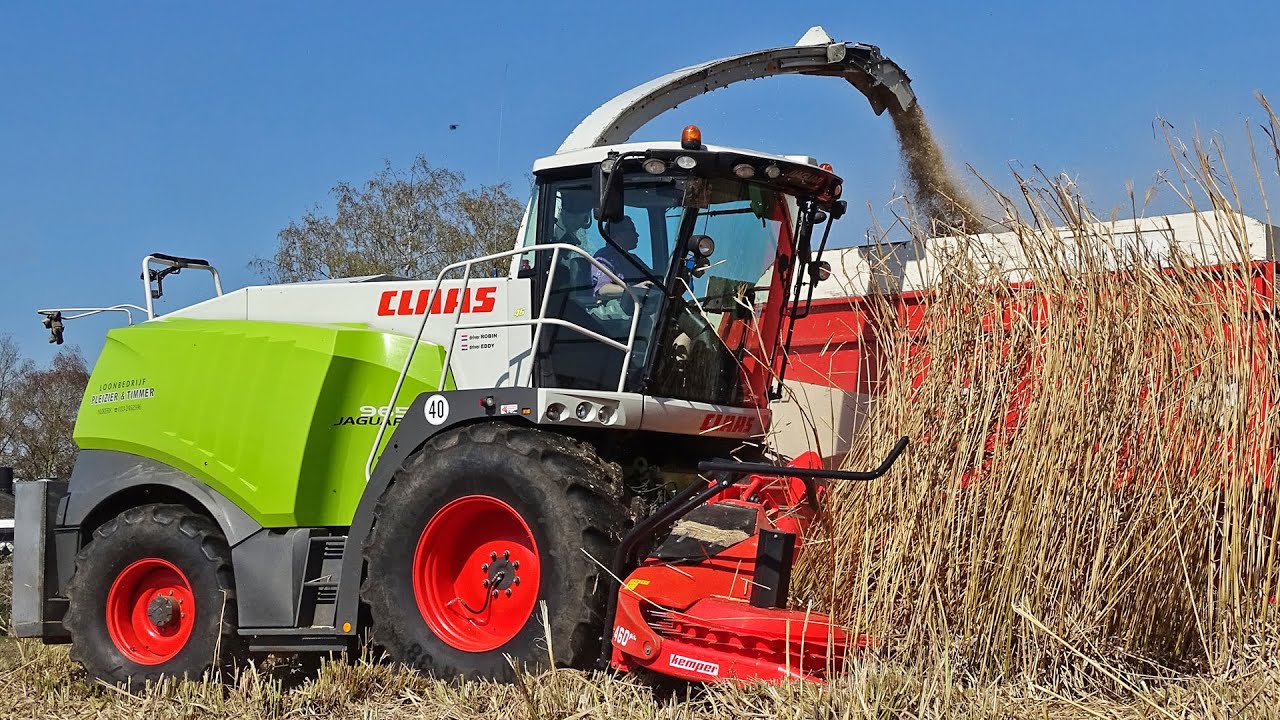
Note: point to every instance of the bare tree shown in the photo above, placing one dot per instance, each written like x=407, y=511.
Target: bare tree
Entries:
x=38, y=409
x=10, y=367
x=410, y=223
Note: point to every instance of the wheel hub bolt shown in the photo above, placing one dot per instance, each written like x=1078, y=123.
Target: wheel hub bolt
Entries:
x=508, y=592
x=515, y=565
x=484, y=583
x=515, y=580
x=493, y=556
x=484, y=567
x=506, y=554
x=162, y=610
x=495, y=593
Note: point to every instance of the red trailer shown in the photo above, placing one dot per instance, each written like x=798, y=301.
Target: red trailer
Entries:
x=839, y=364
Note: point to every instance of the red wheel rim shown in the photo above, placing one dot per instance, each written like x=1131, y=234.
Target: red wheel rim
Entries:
x=150, y=611
x=476, y=573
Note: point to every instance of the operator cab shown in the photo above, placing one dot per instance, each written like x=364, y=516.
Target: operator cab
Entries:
x=690, y=255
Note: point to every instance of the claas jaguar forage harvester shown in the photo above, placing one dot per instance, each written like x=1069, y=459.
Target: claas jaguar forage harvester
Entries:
x=560, y=442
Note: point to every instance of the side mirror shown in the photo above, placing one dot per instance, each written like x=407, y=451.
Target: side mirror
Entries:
x=53, y=323
x=607, y=191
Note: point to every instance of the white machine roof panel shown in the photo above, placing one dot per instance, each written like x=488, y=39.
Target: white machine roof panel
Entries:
x=593, y=155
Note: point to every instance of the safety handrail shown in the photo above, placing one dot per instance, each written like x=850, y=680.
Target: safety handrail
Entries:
x=125, y=308
x=171, y=261
x=538, y=322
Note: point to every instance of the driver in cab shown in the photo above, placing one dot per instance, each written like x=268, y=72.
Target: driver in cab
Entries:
x=623, y=263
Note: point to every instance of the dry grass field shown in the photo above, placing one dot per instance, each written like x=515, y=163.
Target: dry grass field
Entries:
x=1086, y=524
x=41, y=682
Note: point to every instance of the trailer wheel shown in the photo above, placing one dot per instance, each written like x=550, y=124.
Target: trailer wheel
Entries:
x=152, y=595
x=481, y=527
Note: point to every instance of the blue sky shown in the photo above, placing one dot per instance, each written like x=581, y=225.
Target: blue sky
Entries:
x=203, y=129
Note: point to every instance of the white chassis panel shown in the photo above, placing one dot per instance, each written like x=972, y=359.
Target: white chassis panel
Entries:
x=491, y=357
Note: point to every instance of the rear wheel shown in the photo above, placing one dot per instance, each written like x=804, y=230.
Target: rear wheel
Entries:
x=499, y=519
x=152, y=594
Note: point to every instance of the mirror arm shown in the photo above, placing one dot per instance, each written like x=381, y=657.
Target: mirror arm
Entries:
x=604, y=193
x=792, y=299
x=813, y=270
x=803, y=235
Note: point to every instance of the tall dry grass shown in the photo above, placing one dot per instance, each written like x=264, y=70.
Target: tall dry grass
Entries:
x=1089, y=493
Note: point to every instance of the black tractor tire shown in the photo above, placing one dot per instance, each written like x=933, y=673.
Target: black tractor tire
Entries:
x=161, y=536
x=574, y=507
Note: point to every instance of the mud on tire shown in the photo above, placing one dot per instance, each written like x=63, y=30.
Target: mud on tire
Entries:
x=545, y=497
x=152, y=595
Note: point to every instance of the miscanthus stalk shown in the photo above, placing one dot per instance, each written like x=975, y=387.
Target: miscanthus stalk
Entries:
x=1091, y=480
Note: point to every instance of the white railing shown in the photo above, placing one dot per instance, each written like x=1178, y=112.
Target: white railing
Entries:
x=537, y=323
x=167, y=262
x=128, y=309
x=125, y=308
